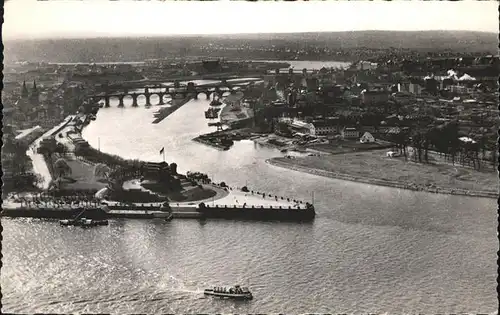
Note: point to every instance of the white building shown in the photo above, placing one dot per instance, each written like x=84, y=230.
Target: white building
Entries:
x=366, y=65
x=367, y=138
x=325, y=128
x=350, y=133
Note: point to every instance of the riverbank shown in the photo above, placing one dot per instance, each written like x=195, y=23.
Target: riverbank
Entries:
x=234, y=110
x=164, y=112
x=373, y=167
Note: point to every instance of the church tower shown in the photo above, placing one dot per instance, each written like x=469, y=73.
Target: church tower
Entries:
x=34, y=93
x=24, y=92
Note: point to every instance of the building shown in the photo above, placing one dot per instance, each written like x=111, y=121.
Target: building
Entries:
x=374, y=97
x=415, y=88
x=460, y=89
x=153, y=169
x=326, y=127
x=349, y=133
x=312, y=84
x=370, y=129
x=367, y=138
x=366, y=65
x=332, y=92
x=431, y=85
x=47, y=145
x=302, y=127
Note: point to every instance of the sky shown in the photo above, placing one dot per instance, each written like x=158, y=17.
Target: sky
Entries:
x=26, y=19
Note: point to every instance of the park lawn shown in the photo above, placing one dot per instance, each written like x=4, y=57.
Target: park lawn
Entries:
x=375, y=165
x=83, y=174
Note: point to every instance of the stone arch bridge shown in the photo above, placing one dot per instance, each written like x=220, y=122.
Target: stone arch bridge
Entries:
x=161, y=91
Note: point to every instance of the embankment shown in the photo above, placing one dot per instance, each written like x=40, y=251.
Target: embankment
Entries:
x=401, y=175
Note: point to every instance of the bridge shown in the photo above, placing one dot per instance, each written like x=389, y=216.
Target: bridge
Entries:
x=223, y=77
x=134, y=84
x=190, y=89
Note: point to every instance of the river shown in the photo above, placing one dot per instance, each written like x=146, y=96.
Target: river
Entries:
x=370, y=249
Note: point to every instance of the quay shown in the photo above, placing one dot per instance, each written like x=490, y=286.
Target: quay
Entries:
x=202, y=211
x=237, y=204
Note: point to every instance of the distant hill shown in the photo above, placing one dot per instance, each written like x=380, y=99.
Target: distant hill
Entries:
x=136, y=49
x=426, y=40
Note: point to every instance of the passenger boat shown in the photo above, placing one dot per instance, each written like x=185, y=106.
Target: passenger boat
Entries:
x=236, y=292
x=83, y=222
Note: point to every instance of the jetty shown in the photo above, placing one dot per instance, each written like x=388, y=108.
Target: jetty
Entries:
x=166, y=111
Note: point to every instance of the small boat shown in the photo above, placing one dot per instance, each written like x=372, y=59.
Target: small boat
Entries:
x=236, y=292
x=83, y=222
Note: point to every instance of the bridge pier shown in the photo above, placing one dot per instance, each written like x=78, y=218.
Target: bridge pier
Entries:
x=106, y=101
x=160, y=95
x=121, y=104
x=134, y=100
x=208, y=96
x=148, y=99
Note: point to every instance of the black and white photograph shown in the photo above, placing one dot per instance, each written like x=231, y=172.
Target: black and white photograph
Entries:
x=250, y=157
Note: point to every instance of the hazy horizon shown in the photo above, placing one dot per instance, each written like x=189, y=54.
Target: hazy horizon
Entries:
x=30, y=19
x=69, y=37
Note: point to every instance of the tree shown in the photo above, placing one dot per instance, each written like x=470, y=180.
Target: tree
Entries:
x=60, y=148
x=102, y=170
x=62, y=168
x=417, y=141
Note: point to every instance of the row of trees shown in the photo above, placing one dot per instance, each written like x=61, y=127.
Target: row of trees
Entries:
x=445, y=140
x=16, y=167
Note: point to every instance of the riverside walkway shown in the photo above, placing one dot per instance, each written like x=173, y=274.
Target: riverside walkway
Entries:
x=39, y=165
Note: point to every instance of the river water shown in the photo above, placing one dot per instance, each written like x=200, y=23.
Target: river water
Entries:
x=370, y=248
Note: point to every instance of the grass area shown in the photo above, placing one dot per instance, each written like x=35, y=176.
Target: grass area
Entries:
x=375, y=168
x=83, y=174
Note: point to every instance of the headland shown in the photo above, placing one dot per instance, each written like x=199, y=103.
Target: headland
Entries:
x=85, y=180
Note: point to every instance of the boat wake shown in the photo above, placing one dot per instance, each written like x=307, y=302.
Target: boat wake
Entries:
x=178, y=285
